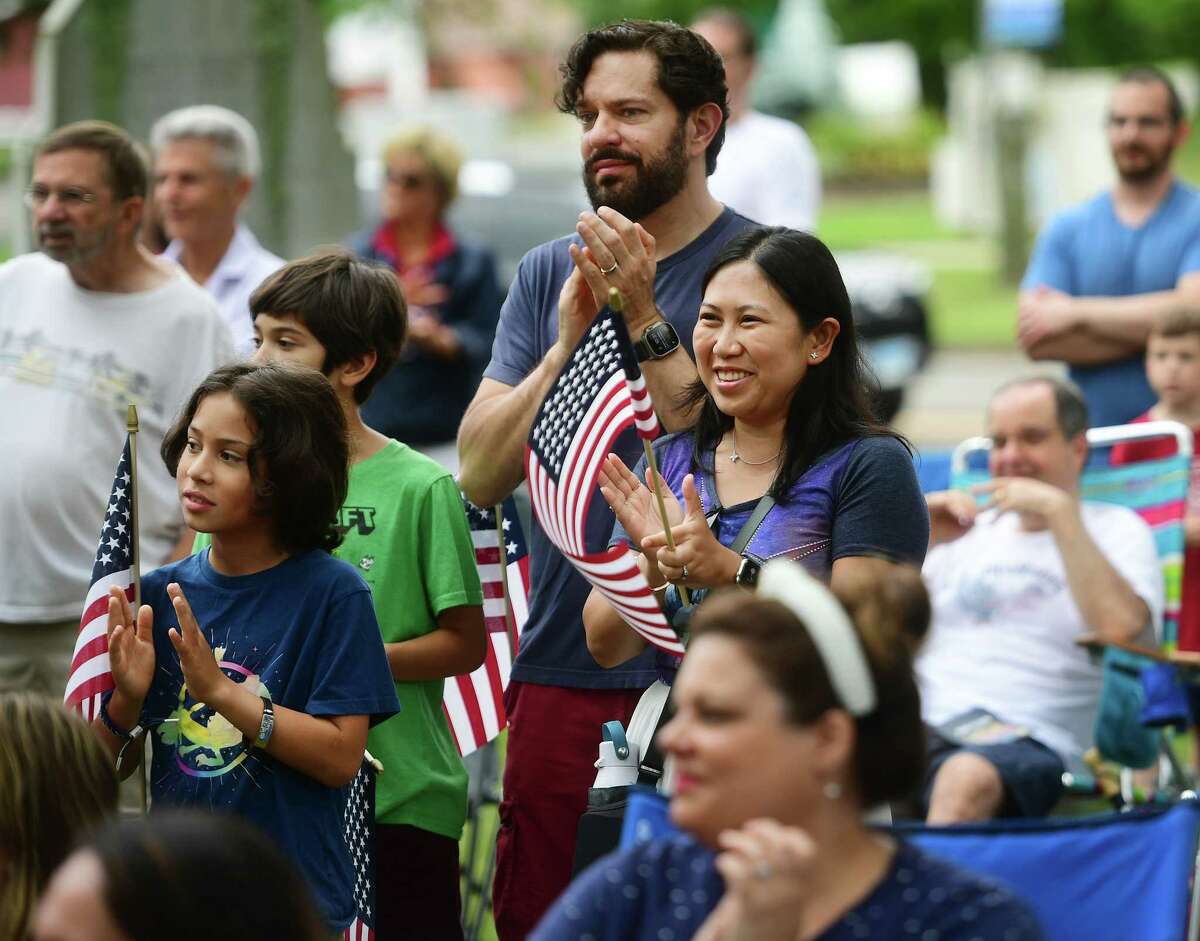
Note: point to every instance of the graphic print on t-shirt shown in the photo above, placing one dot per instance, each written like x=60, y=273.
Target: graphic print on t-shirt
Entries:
x=1009, y=587
x=206, y=744
x=361, y=519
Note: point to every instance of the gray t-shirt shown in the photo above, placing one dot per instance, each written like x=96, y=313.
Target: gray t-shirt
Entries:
x=553, y=648
x=71, y=361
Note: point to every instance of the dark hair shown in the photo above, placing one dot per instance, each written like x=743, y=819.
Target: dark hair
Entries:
x=1070, y=407
x=194, y=876
x=56, y=783
x=299, y=461
x=832, y=404
x=351, y=306
x=126, y=167
x=891, y=616
x=1151, y=75
x=1177, y=322
x=690, y=72
x=734, y=20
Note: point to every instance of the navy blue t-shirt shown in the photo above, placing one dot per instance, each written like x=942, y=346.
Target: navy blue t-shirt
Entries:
x=553, y=648
x=304, y=634
x=1088, y=252
x=664, y=891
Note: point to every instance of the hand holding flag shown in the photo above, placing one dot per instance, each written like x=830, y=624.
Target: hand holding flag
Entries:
x=599, y=394
x=696, y=549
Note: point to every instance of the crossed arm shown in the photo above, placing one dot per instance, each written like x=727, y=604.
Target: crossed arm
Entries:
x=1091, y=330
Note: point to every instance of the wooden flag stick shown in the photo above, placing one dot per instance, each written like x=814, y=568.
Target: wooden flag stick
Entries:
x=662, y=511
x=135, y=563
x=617, y=303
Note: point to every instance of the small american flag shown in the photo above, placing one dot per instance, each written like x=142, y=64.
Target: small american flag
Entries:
x=114, y=566
x=599, y=394
x=474, y=704
x=358, y=826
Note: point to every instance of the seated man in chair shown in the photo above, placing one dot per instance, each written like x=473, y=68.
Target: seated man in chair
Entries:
x=1008, y=695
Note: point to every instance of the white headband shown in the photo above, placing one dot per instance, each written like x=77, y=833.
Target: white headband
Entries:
x=832, y=633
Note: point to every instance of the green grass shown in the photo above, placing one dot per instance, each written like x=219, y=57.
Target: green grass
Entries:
x=969, y=306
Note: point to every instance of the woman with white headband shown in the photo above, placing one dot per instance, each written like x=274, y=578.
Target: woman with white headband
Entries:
x=791, y=718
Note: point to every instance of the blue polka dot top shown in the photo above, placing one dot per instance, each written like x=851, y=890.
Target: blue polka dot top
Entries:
x=663, y=892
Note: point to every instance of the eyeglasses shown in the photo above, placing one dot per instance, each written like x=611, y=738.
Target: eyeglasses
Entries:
x=71, y=197
x=407, y=181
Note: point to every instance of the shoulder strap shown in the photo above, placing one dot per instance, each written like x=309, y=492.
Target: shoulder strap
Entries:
x=746, y=533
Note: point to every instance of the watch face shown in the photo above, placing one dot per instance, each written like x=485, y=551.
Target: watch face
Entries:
x=661, y=338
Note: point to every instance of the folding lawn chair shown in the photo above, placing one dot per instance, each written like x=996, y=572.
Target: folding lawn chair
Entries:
x=1157, y=491
x=1116, y=876
x=478, y=863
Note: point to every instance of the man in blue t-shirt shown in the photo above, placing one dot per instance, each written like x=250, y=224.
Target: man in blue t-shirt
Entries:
x=651, y=101
x=1103, y=272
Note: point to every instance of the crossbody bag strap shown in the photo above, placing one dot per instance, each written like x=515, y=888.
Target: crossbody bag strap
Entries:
x=750, y=527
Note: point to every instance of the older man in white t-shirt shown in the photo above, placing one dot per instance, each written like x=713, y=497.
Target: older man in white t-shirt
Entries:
x=1009, y=696
x=88, y=325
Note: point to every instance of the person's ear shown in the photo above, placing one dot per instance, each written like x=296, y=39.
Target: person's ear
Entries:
x=836, y=735
x=129, y=216
x=355, y=370
x=820, y=340
x=704, y=122
x=241, y=188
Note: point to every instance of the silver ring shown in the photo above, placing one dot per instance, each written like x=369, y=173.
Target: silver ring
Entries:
x=763, y=870
x=609, y=270
x=683, y=574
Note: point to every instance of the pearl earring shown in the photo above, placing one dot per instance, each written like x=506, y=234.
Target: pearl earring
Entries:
x=832, y=790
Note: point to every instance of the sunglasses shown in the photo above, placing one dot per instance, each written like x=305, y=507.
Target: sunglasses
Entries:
x=407, y=181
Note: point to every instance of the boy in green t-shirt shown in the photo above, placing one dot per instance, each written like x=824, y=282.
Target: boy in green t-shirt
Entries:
x=407, y=534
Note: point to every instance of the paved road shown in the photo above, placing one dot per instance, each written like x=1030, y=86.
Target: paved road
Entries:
x=946, y=402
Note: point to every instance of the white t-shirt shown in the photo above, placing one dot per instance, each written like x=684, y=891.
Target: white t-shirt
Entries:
x=1005, y=623
x=767, y=170
x=71, y=361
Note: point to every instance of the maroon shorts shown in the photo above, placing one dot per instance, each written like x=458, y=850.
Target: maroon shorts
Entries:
x=553, y=739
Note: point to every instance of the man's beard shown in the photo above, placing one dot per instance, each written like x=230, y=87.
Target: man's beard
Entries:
x=74, y=252
x=655, y=182
x=1154, y=166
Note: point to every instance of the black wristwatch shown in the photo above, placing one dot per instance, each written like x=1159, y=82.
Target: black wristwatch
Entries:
x=659, y=340
x=747, y=573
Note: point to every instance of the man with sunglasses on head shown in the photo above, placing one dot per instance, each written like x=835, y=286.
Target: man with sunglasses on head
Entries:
x=1103, y=272
x=88, y=325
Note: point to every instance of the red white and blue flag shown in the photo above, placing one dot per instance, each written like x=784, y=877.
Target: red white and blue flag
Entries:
x=474, y=704
x=599, y=394
x=114, y=567
x=358, y=827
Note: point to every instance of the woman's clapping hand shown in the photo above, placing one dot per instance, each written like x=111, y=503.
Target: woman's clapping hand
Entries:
x=634, y=502
x=698, y=559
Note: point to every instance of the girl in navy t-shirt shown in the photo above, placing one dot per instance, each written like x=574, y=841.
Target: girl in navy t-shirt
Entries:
x=257, y=665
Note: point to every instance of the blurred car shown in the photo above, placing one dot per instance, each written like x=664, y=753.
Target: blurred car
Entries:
x=889, y=296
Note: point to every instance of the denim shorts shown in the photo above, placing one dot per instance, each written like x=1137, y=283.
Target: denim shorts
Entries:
x=1031, y=772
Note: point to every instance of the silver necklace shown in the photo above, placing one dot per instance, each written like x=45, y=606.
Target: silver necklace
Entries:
x=734, y=457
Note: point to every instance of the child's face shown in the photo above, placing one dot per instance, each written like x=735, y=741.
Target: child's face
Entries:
x=213, y=477
x=1173, y=369
x=281, y=338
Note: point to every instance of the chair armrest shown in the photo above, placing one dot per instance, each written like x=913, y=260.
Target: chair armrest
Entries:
x=1187, y=659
